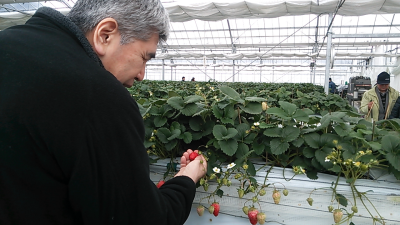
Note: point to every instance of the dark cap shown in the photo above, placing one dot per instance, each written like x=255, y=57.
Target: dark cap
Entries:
x=383, y=78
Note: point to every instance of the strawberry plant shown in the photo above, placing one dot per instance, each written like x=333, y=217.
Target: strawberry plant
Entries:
x=294, y=126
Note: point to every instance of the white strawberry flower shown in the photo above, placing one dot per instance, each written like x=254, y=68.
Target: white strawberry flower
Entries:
x=280, y=125
x=231, y=165
x=216, y=170
x=256, y=124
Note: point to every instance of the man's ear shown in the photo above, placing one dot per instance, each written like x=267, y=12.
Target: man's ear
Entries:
x=105, y=33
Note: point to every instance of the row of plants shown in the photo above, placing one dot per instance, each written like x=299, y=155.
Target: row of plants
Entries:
x=294, y=126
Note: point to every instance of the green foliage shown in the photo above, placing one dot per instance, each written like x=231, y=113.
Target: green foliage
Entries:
x=302, y=127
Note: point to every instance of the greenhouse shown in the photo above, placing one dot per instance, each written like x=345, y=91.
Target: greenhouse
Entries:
x=278, y=138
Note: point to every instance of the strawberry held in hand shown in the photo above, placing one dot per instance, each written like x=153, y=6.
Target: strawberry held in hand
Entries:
x=216, y=208
x=193, y=156
x=160, y=183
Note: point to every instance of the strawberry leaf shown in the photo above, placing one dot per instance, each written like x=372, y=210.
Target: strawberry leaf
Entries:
x=341, y=199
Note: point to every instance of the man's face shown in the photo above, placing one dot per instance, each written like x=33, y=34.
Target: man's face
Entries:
x=128, y=62
x=383, y=87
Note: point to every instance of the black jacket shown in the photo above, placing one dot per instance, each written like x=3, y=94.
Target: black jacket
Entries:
x=396, y=110
x=71, y=136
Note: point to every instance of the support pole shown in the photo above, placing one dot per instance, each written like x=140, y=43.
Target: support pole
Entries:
x=328, y=56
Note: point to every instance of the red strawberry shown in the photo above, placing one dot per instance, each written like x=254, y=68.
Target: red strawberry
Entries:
x=216, y=208
x=253, y=216
x=193, y=155
x=160, y=183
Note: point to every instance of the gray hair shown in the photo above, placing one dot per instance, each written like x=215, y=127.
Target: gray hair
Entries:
x=137, y=19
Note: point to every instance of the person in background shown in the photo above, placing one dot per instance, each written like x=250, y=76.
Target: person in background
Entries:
x=377, y=103
x=193, y=79
x=183, y=78
x=71, y=135
x=332, y=86
x=396, y=110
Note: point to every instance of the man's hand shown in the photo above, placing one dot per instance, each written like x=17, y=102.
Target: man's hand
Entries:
x=195, y=169
x=370, y=104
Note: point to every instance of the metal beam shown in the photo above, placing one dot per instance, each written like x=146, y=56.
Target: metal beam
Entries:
x=271, y=45
x=381, y=35
x=291, y=66
x=293, y=28
x=15, y=10
x=328, y=55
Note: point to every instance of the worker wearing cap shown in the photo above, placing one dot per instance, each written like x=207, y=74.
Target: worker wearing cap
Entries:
x=377, y=103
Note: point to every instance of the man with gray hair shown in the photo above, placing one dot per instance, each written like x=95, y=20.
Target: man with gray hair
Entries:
x=377, y=103
x=71, y=135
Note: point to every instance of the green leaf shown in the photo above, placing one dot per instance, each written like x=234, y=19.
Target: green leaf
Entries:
x=320, y=156
x=325, y=121
x=341, y=199
x=187, y=137
x=171, y=144
x=176, y=102
x=251, y=170
x=218, y=113
x=394, y=160
x=255, y=99
x=207, y=128
x=229, y=147
x=312, y=174
x=391, y=143
x=225, y=120
x=189, y=109
x=162, y=134
x=264, y=125
x=174, y=134
x=172, y=94
x=220, y=193
x=258, y=147
x=231, y=132
x=299, y=161
x=252, y=108
x=273, y=132
x=308, y=152
x=278, y=112
x=249, y=139
x=192, y=99
x=366, y=158
x=159, y=121
x=290, y=133
x=278, y=147
x=289, y=108
x=242, y=150
x=298, y=142
x=195, y=123
x=327, y=140
x=231, y=93
x=242, y=128
x=143, y=110
x=312, y=140
x=375, y=145
x=300, y=115
x=230, y=112
x=336, y=169
x=347, y=154
x=219, y=131
x=197, y=135
x=308, y=111
x=175, y=126
x=342, y=130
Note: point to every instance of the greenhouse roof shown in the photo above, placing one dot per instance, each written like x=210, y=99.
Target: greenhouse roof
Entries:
x=273, y=32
